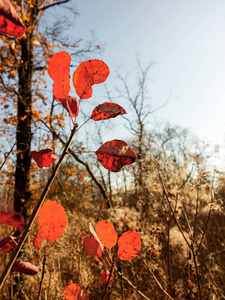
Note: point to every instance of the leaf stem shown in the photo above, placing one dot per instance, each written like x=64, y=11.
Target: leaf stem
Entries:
x=43, y=271
x=35, y=211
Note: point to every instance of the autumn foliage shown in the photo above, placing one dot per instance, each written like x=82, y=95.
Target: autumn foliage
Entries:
x=113, y=155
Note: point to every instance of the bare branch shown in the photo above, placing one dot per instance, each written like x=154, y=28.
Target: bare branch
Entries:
x=53, y=4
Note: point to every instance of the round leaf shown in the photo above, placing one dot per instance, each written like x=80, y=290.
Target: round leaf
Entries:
x=88, y=73
x=44, y=157
x=107, y=110
x=115, y=154
x=59, y=71
x=74, y=291
x=51, y=220
x=92, y=247
x=129, y=245
x=106, y=234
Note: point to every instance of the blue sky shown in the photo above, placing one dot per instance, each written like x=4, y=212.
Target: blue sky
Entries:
x=185, y=41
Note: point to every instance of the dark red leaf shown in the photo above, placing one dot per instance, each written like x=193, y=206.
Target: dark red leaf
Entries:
x=51, y=220
x=10, y=22
x=88, y=73
x=71, y=105
x=44, y=158
x=106, y=234
x=129, y=245
x=107, y=110
x=74, y=291
x=12, y=218
x=105, y=276
x=25, y=268
x=92, y=247
x=8, y=244
x=115, y=154
x=59, y=71
x=37, y=242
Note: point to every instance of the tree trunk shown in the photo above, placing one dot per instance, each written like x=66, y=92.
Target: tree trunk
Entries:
x=24, y=117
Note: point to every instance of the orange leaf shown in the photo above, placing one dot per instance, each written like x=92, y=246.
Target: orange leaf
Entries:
x=74, y=291
x=115, y=154
x=88, y=73
x=107, y=110
x=37, y=240
x=10, y=22
x=92, y=247
x=44, y=157
x=59, y=71
x=106, y=234
x=129, y=245
x=12, y=218
x=105, y=276
x=51, y=220
x=71, y=105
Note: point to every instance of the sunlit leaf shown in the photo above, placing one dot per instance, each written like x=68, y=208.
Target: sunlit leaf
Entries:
x=107, y=110
x=95, y=235
x=37, y=242
x=92, y=247
x=129, y=245
x=88, y=73
x=12, y=218
x=74, y=291
x=107, y=234
x=105, y=276
x=10, y=22
x=59, y=71
x=71, y=105
x=115, y=154
x=44, y=157
x=24, y=268
x=8, y=244
x=51, y=220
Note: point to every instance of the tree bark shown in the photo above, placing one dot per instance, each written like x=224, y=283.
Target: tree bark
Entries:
x=24, y=117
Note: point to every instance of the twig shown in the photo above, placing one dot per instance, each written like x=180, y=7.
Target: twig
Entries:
x=156, y=280
x=7, y=156
x=43, y=271
x=110, y=275
x=35, y=211
x=131, y=284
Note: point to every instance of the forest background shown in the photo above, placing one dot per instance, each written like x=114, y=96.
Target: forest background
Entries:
x=169, y=69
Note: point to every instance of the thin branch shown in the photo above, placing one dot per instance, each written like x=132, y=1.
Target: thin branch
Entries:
x=156, y=280
x=131, y=284
x=7, y=156
x=35, y=211
x=53, y=4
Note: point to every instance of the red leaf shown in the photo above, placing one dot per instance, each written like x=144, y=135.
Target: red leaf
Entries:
x=59, y=71
x=107, y=234
x=105, y=276
x=37, y=240
x=71, y=105
x=107, y=110
x=12, y=218
x=8, y=244
x=74, y=291
x=10, y=22
x=92, y=247
x=88, y=73
x=44, y=157
x=129, y=245
x=115, y=154
x=51, y=220
x=24, y=268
